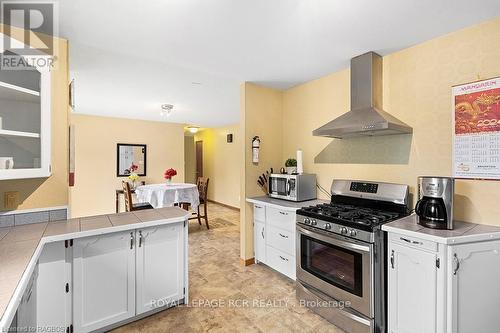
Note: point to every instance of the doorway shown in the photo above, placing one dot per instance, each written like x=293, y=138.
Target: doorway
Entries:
x=199, y=159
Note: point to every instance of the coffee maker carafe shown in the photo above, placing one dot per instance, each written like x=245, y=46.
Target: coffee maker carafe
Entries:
x=434, y=208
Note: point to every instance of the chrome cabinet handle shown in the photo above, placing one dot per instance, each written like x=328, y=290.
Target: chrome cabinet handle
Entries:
x=284, y=236
x=392, y=259
x=457, y=264
x=258, y=207
x=262, y=233
x=131, y=240
x=140, y=238
x=283, y=213
x=284, y=259
x=404, y=239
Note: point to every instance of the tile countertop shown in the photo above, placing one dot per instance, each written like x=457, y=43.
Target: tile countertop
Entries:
x=20, y=246
x=284, y=204
x=463, y=232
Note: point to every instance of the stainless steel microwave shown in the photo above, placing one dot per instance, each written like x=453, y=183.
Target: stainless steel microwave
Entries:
x=292, y=187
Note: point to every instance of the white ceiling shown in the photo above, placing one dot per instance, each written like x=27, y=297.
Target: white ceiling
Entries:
x=130, y=56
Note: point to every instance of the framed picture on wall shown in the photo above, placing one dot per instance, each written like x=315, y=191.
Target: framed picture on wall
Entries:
x=129, y=155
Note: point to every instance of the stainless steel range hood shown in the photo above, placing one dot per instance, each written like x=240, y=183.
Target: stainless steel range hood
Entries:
x=366, y=117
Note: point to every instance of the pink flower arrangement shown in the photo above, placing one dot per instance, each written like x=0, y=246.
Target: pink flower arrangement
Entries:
x=169, y=173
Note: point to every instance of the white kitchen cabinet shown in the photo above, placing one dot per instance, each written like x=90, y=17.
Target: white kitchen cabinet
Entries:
x=25, y=123
x=474, y=288
x=26, y=312
x=160, y=267
x=274, y=238
x=54, y=286
x=259, y=241
x=412, y=294
x=103, y=280
x=439, y=287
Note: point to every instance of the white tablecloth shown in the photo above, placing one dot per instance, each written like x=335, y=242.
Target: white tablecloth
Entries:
x=165, y=195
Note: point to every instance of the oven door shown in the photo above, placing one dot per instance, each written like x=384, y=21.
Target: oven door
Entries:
x=340, y=268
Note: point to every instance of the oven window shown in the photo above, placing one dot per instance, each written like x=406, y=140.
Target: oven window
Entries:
x=338, y=266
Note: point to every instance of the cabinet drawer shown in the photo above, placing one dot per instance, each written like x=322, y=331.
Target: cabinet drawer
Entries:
x=259, y=212
x=281, y=239
x=280, y=218
x=413, y=242
x=280, y=261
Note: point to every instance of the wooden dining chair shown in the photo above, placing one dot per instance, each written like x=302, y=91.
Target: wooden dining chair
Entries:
x=202, y=184
x=129, y=205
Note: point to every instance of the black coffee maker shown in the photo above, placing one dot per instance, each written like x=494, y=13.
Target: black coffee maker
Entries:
x=434, y=208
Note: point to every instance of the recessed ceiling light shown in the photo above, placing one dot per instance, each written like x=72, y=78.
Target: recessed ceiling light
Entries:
x=193, y=129
x=166, y=109
x=196, y=83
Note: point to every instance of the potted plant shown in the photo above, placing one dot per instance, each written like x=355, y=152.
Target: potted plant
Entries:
x=133, y=176
x=291, y=166
x=169, y=173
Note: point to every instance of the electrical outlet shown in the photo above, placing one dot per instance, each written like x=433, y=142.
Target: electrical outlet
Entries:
x=11, y=200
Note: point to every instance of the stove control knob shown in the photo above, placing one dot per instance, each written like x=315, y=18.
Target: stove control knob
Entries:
x=307, y=220
x=343, y=230
x=328, y=226
x=353, y=232
x=313, y=222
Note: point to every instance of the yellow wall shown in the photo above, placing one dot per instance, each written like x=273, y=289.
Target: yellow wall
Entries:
x=417, y=90
x=261, y=115
x=52, y=191
x=96, y=139
x=189, y=159
x=221, y=163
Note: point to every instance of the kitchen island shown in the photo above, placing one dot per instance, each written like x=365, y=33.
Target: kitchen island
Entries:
x=442, y=280
x=93, y=273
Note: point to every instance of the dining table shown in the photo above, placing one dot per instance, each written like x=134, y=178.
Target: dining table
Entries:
x=168, y=194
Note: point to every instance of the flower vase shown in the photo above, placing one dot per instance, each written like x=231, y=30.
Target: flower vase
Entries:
x=134, y=185
x=169, y=181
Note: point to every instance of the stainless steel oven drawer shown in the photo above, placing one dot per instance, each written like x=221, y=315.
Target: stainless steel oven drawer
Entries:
x=343, y=318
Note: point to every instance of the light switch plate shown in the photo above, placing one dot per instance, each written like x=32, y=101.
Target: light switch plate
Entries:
x=11, y=200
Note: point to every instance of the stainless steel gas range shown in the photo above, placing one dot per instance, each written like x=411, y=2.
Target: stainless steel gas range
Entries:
x=341, y=253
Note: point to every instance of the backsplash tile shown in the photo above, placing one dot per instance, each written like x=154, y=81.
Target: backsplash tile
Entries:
x=6, y=221
x=29, y=218
x=57, y=215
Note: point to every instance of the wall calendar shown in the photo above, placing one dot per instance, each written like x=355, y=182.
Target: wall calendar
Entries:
x=476, y=130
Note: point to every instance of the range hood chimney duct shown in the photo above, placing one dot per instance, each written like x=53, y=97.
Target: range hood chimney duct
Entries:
x=366, y=117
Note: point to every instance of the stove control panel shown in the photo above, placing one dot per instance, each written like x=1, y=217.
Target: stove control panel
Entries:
x=312, y=223
x=364, y=187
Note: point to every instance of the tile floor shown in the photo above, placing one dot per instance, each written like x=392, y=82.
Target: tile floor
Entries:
x=226, y=297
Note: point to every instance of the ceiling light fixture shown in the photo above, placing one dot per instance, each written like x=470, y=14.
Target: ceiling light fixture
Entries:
x=166, y=109
x=193, y=129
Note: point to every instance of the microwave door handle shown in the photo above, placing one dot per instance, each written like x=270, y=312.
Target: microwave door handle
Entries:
x=288, y=187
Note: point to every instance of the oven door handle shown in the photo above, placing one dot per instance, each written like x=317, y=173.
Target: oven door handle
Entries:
x=335, y=241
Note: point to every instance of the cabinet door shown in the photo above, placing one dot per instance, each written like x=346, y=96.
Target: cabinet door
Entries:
x=104, y=280
x=25, y=135
x=412, y=286
x=26, y=313
x=259, y=241
x=160, y=266
x=474, y=288
x=54, y=272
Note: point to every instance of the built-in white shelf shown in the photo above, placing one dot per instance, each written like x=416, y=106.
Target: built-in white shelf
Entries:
x=19, y=134
x=19, y=89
